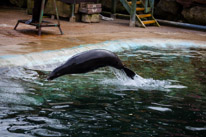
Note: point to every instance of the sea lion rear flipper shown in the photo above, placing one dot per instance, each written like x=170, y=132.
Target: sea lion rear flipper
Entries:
x=129, y=72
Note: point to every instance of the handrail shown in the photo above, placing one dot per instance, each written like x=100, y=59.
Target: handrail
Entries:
x=151, y=4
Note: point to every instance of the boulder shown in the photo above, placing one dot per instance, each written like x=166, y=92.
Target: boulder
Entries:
x=189, y=3
x=19, y=3
x=169, y=6
x=185, y=3
x=195, y=15
x=107, y=6
x=200, y=1
x=168, y=9
x=64, y=10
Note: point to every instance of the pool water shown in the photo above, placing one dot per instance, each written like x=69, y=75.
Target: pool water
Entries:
x=167, y=98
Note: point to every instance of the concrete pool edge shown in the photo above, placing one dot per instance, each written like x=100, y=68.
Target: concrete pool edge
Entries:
x=45, y=58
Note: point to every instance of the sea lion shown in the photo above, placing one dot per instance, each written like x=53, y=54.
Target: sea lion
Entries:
x=89, y=61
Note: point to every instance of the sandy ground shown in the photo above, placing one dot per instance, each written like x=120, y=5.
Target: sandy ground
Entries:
x=25, y=39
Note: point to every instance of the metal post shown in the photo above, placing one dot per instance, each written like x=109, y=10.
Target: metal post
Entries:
x=146, y=6
x=41, y=17
x=114, y=8
x=151, y=2
x=72, y=18
x=57, y=15
x=73, y=9
x=133, y=14
x=16, y=25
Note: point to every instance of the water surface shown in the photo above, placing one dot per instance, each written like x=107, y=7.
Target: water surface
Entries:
x=167, y=98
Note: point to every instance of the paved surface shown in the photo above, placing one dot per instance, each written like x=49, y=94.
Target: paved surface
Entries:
x=26, y=40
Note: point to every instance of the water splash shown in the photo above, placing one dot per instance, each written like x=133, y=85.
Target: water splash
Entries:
x=43, y=60
x=124, y=82
x=18, y=73
x=12, y=85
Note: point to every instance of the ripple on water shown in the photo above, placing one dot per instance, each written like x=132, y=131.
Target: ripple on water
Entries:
x=195, y=128
x=168, y=99
x=46, y=133
x=162, y=109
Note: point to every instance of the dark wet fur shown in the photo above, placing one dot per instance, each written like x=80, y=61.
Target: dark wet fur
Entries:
x=129, y=72
x=88, y=61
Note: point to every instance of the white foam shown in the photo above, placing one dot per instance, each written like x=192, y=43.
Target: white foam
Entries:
x=43, y=60
x=138, y=82
x=195, y=128
x=162, y=109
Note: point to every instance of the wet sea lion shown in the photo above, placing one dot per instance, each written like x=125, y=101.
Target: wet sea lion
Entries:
x=89, y=61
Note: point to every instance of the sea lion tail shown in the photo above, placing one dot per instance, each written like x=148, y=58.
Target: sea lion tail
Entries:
x=129, y=72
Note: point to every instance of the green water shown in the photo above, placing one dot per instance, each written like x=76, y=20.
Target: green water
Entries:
x=168, y=98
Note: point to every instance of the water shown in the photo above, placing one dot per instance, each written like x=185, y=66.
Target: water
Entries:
x=167, y=98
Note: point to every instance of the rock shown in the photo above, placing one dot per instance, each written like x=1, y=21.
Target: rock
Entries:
x=19, y=3
x=30, y=5
x=189, y=3
x=195, y=15
x=200, y=1
x=168, y=9
x=169, y=6
x=64, y=10
x=107, y=4
x=91, y=18
x=185, y=3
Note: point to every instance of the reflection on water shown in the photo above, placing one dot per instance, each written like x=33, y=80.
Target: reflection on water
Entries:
x=167, y=98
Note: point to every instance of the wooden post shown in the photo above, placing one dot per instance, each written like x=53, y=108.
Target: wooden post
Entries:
x=114, y=8
x=133, y=14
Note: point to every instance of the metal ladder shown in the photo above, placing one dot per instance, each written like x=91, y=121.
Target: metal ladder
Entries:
x=141, y=13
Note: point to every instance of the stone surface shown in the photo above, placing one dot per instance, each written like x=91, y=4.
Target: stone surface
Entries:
x=169, y=6
x=182, y=10
x=200, y=1
x=25, y=39
x=64, y=10
x=196, y=15
x=91, y=18
x=19, y=3
x=185, y=3
x=189, y=3
x=190, y=11
x=107, y=4
x=168, y=9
